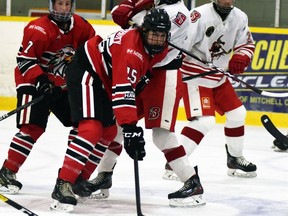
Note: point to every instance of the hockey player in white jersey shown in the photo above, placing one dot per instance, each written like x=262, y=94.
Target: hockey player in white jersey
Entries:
x=219, y=35
x=159, y=104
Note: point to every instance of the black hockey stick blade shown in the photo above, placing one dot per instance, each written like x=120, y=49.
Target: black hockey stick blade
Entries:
x=16, y=205
x=270, y=127
x=137, y=185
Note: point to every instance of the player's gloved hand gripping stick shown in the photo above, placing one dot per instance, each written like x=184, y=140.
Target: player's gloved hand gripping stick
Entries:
x=18, y=109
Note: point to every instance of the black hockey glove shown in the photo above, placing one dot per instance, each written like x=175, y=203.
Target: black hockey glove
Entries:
x=134, y=141
x=44, y=85
x=144, y=80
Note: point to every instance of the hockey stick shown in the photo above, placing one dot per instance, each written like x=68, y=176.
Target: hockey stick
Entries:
x=270, y=127
x=134, y=25
x=137, y=185
x=227, y=73
x=18, y=109
x=199, y=75
x=16, y=205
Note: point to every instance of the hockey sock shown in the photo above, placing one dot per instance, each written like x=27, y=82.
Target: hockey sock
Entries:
x=77, y=154
x=20, y=148
x=110, y=157
x=179, y=162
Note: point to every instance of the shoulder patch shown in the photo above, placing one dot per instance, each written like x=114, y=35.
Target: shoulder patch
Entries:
x=194, y=16
x=179, y=19
x=210, y=31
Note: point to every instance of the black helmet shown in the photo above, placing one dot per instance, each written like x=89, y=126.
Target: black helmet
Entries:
x=61, y=16
x=158, y=2
x=225, y=10
x=156, y=20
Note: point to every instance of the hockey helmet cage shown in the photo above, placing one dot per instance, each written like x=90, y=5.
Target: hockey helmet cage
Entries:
x=223, y=9
x=61, y=16
x=156, y=20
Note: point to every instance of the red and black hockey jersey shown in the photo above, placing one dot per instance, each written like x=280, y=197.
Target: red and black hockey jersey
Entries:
x=45, y=48
x=120, y=61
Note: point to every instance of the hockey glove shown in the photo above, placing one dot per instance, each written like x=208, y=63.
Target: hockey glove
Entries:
x=44, y=85
x=134, y=141
x=144, y=80
x=123, y=12
x=238, y=63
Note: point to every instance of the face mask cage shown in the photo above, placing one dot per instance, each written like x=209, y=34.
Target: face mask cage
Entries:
x=154, y=48
x=61, y=16
x=223, y=9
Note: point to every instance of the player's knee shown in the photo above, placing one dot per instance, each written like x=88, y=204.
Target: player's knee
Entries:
x=236, y=116
x=91, y=130
x=109, y=133
x=164, y=139
x=34, y=131
x=206, y=123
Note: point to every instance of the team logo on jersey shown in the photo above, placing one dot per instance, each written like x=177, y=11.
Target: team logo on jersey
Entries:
x=209, y=31
x=59, y=61
x=154, y=113
x=194, y=16
x=206, y=103
x=217, y=49
x=180, y=19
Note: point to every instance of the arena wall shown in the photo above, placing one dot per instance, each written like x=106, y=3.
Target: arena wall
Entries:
x=11, y=31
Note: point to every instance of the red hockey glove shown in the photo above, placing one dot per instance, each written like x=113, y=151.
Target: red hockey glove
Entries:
x=238, y=63
x=123, y=12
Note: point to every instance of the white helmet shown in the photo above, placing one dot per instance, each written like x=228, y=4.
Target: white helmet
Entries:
x=223, y=9
x=61, y=16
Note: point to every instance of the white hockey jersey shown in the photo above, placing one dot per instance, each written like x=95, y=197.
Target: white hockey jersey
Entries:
x=214, y=40
x=180, y=22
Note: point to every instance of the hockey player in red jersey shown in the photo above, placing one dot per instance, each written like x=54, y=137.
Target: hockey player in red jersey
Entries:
x=218, y=29
x=101, y=82
x=158, y=104
x=47, y=46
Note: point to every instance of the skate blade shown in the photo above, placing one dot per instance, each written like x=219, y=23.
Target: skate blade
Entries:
x=10, y=189
x=102, y=194
x=170, y=175
x=241, y=174
x=189, y=202
x=276, y=149
x=63, y=207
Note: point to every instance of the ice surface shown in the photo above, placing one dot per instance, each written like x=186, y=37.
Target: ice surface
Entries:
x=265, y=195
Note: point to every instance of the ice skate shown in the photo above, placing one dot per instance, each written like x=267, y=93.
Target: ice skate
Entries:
x=81, y=188
x=169, y=173
x=8, y=182
x=240, y=167
x=63, y=198
x=190, y=195
x=102, y=182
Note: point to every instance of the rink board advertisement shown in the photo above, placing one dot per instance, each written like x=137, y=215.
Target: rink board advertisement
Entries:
x=268, y=71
